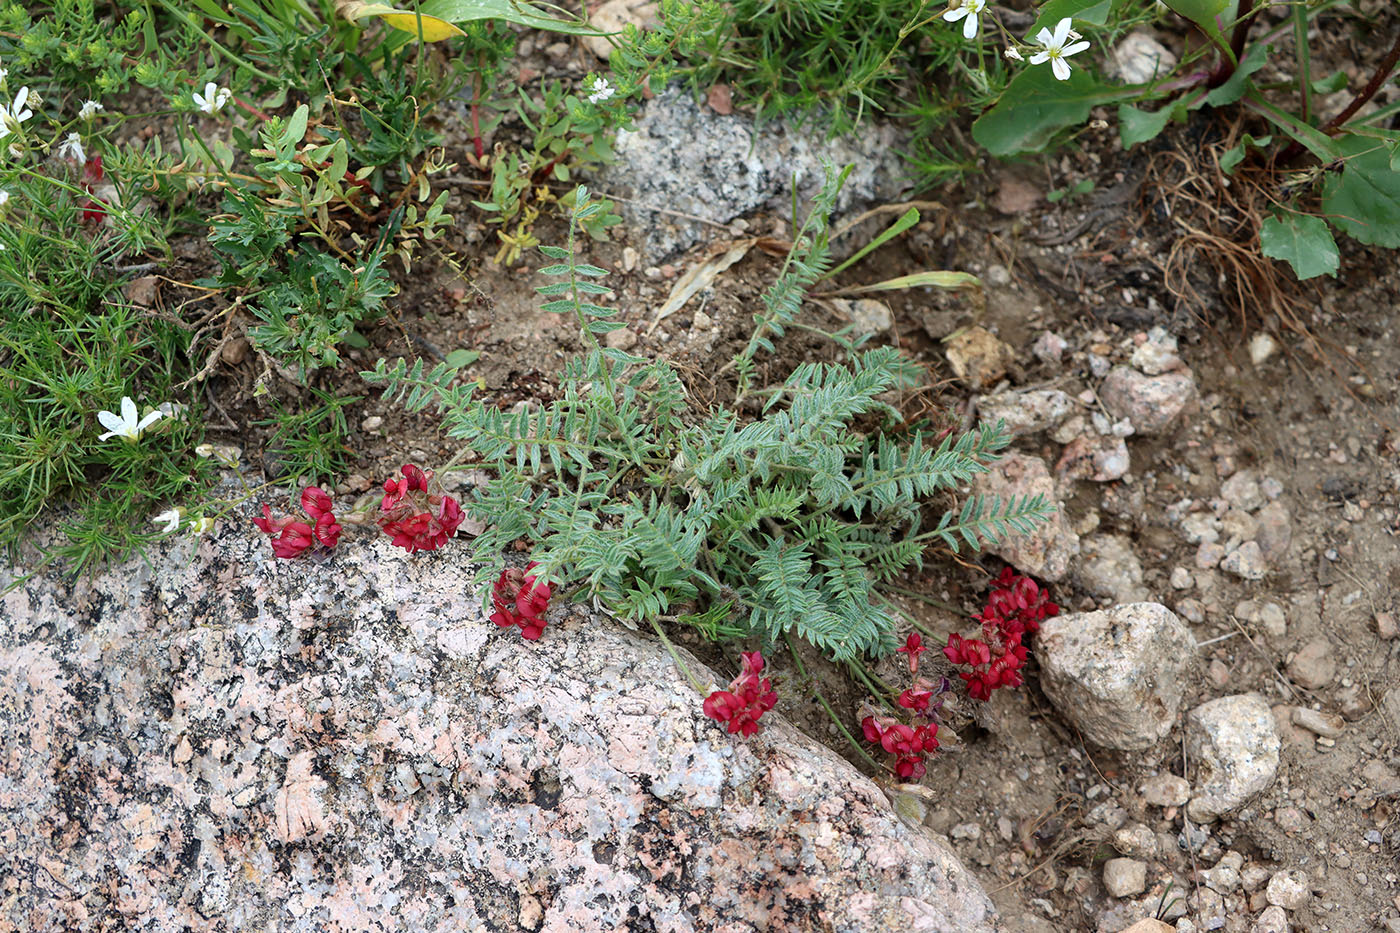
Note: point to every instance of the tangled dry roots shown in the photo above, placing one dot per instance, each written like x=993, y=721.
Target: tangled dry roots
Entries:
x=1215, y=257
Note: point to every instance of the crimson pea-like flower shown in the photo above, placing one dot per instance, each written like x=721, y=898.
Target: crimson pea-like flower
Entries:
x=520, y=598
x=415, y=518
x=749, y=696
x=914, y=646
x=1014, y=610
x=291, y=538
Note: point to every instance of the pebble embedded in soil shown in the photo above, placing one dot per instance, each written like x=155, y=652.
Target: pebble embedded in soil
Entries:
x=1324, y=724
x=1233, y=747
x=1151, y=403
x=1314, y=666
x=1025, y=412
x=1289, y=890
x=1165, y=790
x=1246, y=562
x=1117, y=674
x=1124, y=877
x=1273, y=919
x=1046, y=551
x=1108, y=568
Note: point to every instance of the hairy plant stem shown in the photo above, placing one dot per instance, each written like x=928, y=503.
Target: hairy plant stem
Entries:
x=831, y=713
x=1378, y=79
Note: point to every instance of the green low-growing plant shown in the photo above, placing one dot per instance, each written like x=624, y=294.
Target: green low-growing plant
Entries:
x=786, y=522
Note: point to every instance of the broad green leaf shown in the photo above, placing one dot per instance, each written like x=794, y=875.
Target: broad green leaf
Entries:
x=1035, y=106
x=1088, y=11
x=1308, y=136
x=1303, y=241
x=1331, y=84
x=1235, y=86
x=1235, y=154
x=1200, y=12
x=512, y=11
x=1138, y=126
x=1364, y=199
x=459, y=358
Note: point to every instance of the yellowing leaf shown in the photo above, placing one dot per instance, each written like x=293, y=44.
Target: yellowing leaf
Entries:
x=434, y=29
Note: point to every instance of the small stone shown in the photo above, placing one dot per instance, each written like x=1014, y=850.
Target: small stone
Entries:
x=1157, y=354
x=1108, y=568
x=142, y=292
x=720, y=99
x=969, y=831
x=621, y=339
x=870, y=317
x=1136, y=840
x=701, y=322
x=1097, y=458
x=1234, y=747
x=1209, y=556
x=1313, y=667
x=630, y=258
x=235, y=351
x=1165, y=790
x=372, y=423
x=1242, y=491
x=1289, y=890
x=1237, y=523
x=1138, y=59
x=1201, y=528
x=1049, y=347
x=1267, y=616
x=1192, y=610
x=1124, y=877
x=1222, y=878
x=1386, y=626
x=1046, y=551
x=1273, y=919
x=1117, y=674
x=1291, y=819
x=1151, y=403
x=1181, y=579
x=1245, y=562
x=1323, y=724
x=1275, y=532
x=1261, y=347
x=1025, y=412
x=612, y=17
x=978, y=357
x=1354, y=702
x=1150, y=925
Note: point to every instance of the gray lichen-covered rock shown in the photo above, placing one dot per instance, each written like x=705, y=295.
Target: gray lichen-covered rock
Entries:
x=683, y=158
x=1117, y=674
x=1233, y=744
x=1047, y=550
x=220, y=742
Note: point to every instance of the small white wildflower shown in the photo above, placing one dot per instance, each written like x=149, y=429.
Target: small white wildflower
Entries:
x=90, y=109
x=4, y=197
x=1054, y=50
x=15, y=114
x=72, y=148
x=202, y=525
x=602, y=90
x=4, y=73
x=126, y=425
x=968, y=9
x=172, y=409
x=1014, y=55
x=169, y=520
x=213, y=98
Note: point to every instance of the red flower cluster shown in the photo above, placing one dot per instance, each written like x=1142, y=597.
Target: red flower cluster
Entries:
x=910, y=745
x=520, y=599
x=291, y=538
x=914, y=646
x=1014, y=610
x=749, y=696
x=406, y=513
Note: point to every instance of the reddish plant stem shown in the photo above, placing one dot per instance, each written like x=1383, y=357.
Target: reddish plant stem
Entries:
x=1378, y=78
x=1227, y=66
x=477, y=142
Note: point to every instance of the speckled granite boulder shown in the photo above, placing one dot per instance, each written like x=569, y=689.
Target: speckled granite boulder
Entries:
x=219, y=742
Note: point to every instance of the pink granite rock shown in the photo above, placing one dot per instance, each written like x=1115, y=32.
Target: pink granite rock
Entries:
x=219, y=742
x=1046, y=551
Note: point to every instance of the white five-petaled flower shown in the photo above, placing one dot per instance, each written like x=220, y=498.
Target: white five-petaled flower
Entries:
x=90, y=109
x=126, y=425
x=213, y=98
x=169, y=520
x=602, y=90
x=967, y=11
x=15, y=114
x=72, y=148
x=1054, y=49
